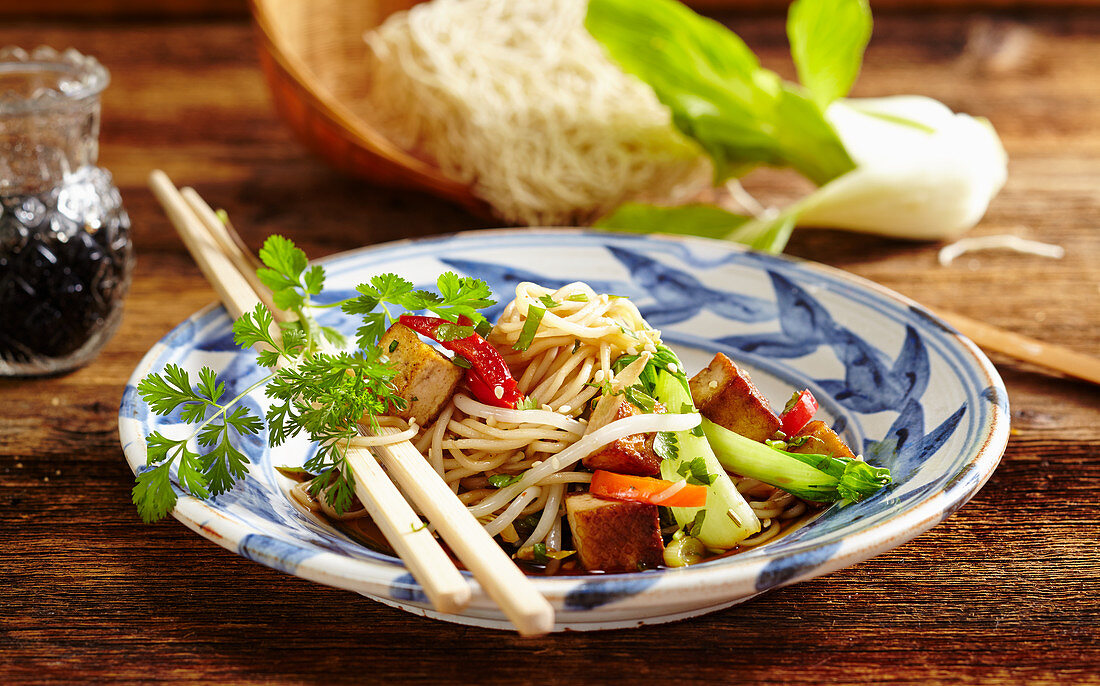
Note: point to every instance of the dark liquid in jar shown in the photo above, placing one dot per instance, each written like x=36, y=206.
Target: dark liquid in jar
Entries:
x=60, y=279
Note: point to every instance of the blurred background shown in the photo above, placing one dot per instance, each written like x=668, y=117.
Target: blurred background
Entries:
x=233, y=8
x=187, y=95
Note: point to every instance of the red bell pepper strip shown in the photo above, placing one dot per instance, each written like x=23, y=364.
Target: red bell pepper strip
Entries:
x=798, y=412
x=644, y=489
x=489, y=378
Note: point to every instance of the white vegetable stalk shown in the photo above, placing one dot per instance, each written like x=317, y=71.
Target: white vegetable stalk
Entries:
x=923, y=171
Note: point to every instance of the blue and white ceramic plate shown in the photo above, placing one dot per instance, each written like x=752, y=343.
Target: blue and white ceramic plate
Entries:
x=895, y=381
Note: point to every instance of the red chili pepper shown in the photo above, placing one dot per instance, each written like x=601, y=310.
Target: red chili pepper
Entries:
x=798, y=412
x=489, y=378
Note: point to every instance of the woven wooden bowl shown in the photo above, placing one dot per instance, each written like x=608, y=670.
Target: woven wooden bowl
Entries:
x=314, y=58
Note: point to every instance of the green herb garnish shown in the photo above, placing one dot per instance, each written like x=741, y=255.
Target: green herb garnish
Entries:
x=504, y=480
x=665, y=445
x=313, y=391
x=530, y=327
x=695, y=472
x=201, y=475
x=539, y=552
x=696, y=525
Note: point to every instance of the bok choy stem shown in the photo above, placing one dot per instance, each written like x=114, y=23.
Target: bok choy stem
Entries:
x=728, y=519
x=818, y=478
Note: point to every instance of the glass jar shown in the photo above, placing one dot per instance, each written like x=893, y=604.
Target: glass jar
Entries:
x=65, y=253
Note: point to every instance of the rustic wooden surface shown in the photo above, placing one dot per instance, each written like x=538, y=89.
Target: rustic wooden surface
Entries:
x=1003, y=592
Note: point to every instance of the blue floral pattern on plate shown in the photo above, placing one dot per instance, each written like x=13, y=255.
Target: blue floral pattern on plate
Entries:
x=890, y=377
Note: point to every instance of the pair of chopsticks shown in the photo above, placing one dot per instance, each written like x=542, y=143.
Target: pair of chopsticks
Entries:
x=230, y=269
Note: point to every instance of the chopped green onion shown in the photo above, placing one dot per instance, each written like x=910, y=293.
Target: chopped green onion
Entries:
x=528, y=522
x=684, y=550
x=483, y=328
x=503, y=480
x=530, y=327
x=639, y=398
x=296, y=473
x=539, y=551
x=452, y=332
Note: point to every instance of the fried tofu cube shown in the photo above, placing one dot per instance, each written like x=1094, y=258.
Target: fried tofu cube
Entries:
x=425, y=378
x=821, y=440
x=614, y=535
x=631, y=454
x=726, y=396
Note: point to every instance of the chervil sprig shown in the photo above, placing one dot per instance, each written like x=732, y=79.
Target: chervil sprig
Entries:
x=326, y=396
x=458, y=297
x=292, y=281
x=288, y=274
x=201, y=475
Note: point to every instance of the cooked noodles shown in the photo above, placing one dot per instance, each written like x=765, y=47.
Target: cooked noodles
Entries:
x=517, y=465
x=570, y=355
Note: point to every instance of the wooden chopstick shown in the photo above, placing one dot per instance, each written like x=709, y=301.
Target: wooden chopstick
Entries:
x=235, y=292
x=402, y=527
x=509, y=588
x=1049, y=355
x=232, y=247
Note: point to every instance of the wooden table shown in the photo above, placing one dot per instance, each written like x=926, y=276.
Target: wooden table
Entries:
x=1003, y=592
